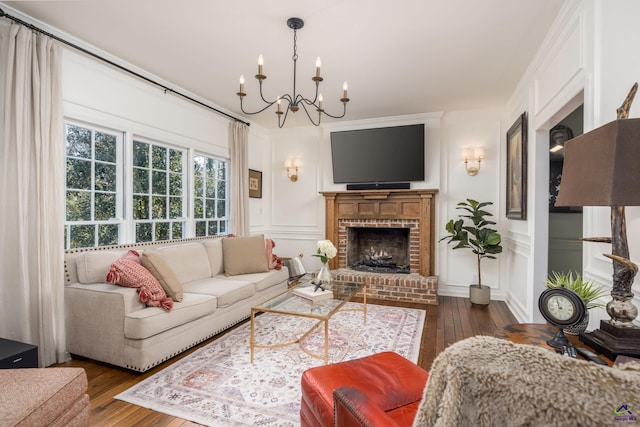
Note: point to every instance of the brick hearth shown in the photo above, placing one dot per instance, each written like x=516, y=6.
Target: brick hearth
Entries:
x=411, y=209
x=397, y=287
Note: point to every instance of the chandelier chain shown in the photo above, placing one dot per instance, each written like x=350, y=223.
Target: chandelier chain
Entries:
x=295, y=45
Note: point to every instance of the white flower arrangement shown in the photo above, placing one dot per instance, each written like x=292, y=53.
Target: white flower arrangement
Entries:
x=325, y=250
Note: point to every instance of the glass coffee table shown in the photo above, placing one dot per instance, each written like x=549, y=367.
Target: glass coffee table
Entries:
x=291, y=304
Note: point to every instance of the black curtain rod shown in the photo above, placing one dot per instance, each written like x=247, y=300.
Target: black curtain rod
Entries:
x=113, y=64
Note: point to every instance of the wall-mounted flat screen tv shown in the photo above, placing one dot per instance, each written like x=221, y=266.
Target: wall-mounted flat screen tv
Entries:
x=382, y=155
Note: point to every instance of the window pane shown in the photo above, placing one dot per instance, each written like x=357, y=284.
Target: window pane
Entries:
x=223, y=227
x=105, y=206
x=176, y=230
x=105, y=147
x=143, y=232
x=105, y=177
x=140, y=180
x=82, y=236
x=199, y=208
x=222, y=170
x=108, y=234
x=211, y=209
x=159, y=182
x=140, y=207
x=213, y=228
x=78, y=206
x=140, y=154
x=221, y=209
x=162, y=231
x=159, y=157
x=222, y=190
x=198, y=185
x=78, y=142
x=211, y=169
x=79, y=174
x=175, y=184
x=211, y=188
x=175, y=160
x=159, y=207
x=175, y=207
x=201, y=228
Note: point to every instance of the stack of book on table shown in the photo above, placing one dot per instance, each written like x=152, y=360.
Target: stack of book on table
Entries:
x=313, y=294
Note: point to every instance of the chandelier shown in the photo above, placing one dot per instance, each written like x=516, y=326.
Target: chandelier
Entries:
x=294, y=102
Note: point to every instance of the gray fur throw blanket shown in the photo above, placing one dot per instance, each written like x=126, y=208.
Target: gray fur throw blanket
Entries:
x=485, y=381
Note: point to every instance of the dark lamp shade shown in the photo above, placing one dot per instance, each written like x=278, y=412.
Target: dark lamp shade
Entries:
x=602, y=167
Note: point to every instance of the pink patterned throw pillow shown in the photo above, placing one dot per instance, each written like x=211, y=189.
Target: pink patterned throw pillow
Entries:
x=129, y=272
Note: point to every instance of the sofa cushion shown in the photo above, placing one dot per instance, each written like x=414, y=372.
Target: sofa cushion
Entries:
x=153, y=261
x=93, y=266
x=263, y=281
x=244, y=255
x=129, y=272
x=214, y=251
x=226, y=290
x=188, y=262
x=146, y=323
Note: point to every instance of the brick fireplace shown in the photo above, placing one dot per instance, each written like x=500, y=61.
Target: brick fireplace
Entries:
x=396, y=213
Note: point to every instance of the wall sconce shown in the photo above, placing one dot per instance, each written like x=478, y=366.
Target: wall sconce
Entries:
x=468, y=155
x=292, y=167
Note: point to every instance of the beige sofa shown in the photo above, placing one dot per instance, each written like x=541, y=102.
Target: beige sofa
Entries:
x=108, y=323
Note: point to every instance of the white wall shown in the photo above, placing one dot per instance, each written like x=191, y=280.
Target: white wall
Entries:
x=99, y=94
x=296, y=210
x=468, y=129
x=584, y=59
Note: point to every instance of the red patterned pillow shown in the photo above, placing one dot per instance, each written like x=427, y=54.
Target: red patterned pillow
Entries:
x=128, y=271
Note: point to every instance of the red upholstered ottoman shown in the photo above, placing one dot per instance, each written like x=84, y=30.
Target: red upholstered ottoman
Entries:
x=391, y=382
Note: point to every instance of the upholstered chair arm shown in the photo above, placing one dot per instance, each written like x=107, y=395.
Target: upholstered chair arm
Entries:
x=352, y=408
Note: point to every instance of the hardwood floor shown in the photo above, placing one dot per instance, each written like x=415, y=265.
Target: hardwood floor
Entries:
x=452, y=320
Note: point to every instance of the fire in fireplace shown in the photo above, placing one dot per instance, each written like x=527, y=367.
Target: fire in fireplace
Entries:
x=378, y=250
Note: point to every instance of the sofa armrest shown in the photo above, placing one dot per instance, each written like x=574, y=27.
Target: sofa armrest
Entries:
x=353, y=408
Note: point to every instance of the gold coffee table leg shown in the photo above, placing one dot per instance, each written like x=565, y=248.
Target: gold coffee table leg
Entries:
x=252, y=339
x=326, y=341
x=364, y=292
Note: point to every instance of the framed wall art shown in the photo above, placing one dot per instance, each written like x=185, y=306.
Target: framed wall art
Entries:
x=255, y=184
x=516, y=202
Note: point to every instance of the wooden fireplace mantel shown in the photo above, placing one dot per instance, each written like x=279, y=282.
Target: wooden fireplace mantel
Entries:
x=416, y=204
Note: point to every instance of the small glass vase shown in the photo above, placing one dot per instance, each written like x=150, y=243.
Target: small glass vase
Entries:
x=324, y=276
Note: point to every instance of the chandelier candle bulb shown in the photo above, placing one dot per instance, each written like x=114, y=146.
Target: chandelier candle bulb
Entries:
x=344, y=88
x=318, y=67
x=260, y=64
x=241, y=83
x=279, y=105
x=320, y=101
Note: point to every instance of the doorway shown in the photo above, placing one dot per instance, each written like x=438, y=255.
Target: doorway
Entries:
x=565, y=223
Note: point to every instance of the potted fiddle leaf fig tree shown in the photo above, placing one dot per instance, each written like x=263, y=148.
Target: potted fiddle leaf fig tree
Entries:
x=472, y=230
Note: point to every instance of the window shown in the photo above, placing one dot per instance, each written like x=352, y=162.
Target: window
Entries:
x=158, y=201
x=162, y=198
x=210, y=196
x=92, y=206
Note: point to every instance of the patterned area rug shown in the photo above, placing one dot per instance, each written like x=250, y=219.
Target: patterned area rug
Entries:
x=218, y=386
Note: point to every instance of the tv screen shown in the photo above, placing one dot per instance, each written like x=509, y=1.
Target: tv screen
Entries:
x=391, y=154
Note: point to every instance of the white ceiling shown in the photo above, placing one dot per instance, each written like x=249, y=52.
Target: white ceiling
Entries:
x=399, y=57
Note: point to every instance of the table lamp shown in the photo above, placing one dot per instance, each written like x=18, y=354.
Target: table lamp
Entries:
x=602, y=168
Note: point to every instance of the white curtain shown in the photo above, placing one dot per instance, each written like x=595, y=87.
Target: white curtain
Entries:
x=238, y=144
x=32, y=182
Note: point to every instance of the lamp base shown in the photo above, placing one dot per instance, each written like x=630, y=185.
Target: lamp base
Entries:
x=613, y=341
